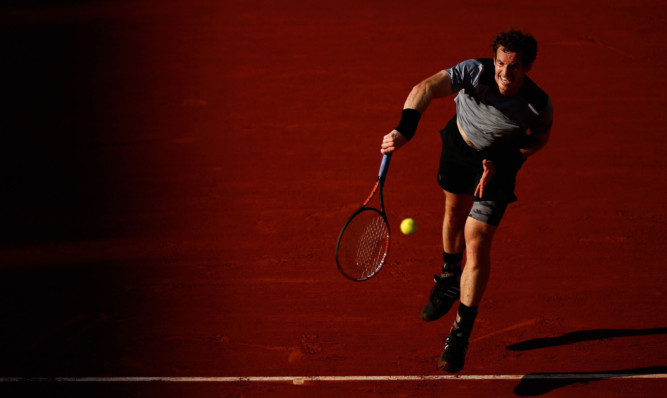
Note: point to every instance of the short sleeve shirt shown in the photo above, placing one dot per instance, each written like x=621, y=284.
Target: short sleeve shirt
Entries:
x=491, y=120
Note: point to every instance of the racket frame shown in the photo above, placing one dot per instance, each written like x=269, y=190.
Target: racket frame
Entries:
x=379, y=186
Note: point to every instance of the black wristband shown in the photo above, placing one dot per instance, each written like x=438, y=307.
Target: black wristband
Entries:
x=408, y=124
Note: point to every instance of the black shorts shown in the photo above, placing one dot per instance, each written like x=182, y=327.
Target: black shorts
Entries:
x=461, y=167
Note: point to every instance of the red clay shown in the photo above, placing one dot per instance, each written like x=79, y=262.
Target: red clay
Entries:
x=175, y=177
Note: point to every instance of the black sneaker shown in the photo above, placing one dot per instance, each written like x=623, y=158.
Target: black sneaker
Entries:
x=444, y=294
x=456, y=346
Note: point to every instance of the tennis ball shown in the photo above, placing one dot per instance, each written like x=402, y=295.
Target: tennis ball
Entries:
x=408, y=226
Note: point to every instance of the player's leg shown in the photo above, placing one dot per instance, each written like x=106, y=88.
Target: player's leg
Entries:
x=447, y=290
x=460, y=166
x=457, y=208
x=479, y=236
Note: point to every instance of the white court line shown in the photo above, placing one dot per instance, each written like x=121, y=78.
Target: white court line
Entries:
x=302, y=379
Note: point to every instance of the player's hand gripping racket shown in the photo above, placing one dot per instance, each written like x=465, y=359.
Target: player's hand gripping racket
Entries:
x=363, y=242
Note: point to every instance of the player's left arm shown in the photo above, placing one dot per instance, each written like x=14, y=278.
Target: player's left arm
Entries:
x=536, y=142
x=540, y=132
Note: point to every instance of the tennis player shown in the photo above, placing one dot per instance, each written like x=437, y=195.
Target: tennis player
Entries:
x=502, y=118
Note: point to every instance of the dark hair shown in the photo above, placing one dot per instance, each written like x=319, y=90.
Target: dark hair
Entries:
x=517, y=41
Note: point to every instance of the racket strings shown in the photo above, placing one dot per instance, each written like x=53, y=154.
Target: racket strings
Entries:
x=364, y=247
x=370, y=252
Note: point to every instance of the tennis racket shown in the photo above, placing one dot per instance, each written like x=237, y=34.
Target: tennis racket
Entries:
x=363, y=242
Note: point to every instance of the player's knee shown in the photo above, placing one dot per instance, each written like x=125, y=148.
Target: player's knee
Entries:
x=478, y=236
x=477, y=245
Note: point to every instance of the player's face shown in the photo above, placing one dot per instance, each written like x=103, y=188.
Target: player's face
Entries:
x=510, y=71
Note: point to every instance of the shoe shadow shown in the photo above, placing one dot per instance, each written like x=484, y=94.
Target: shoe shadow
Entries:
x=542, y=383
x=581, y=336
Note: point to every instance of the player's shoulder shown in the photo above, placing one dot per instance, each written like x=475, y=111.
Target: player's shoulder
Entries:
x=471, y=71
x=470, y=66
x=534, y=95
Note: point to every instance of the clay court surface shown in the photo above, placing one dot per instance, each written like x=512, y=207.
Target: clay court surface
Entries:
x=175, y=175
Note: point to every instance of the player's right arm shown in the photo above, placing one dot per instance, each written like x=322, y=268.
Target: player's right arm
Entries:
x=436, y=86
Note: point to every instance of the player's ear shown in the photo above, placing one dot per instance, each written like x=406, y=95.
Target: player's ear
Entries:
x=528, y=66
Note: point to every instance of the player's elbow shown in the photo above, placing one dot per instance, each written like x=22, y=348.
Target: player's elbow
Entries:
x=425, y=90
x=422, y=89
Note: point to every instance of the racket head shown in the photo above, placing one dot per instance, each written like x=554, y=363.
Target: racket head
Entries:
x=363, y=244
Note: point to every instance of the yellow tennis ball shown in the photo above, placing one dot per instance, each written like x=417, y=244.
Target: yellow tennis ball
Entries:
x=408, y=226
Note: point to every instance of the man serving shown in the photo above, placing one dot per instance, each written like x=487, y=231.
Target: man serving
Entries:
x=502, y=118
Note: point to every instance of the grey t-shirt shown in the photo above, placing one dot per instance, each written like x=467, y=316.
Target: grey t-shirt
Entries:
x=490, y=119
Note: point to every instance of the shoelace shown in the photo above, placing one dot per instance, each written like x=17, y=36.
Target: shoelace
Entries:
x=456, y=342
x=445, y=287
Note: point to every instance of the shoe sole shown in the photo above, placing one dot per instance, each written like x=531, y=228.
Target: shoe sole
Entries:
x=449, y=368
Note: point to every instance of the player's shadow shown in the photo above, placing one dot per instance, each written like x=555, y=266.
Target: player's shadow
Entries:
x=581, y=336
x=542, y=383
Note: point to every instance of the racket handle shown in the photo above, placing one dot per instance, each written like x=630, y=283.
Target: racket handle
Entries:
x=384, y=166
